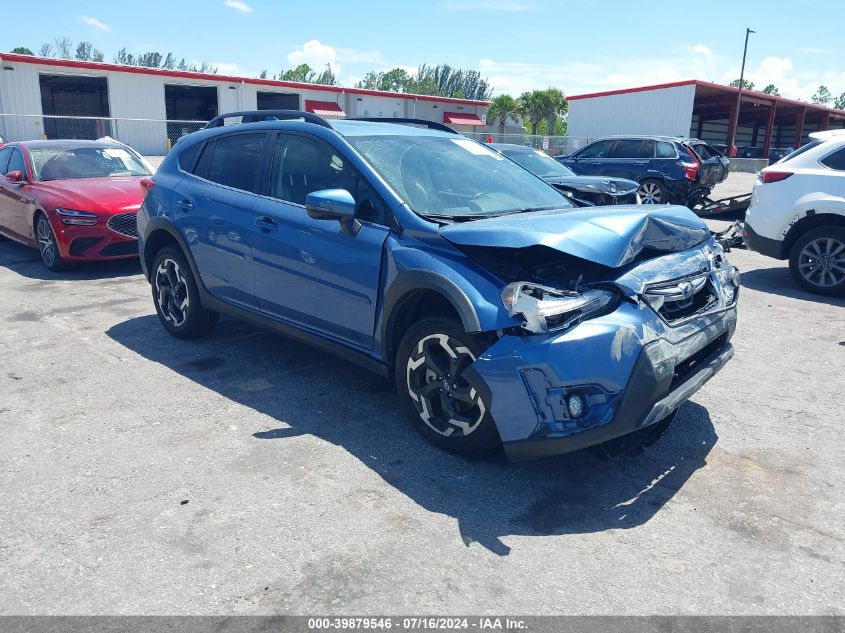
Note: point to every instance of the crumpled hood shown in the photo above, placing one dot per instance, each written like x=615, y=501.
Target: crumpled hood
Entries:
x=596, y=184
x=610, y=236
x=115, y=194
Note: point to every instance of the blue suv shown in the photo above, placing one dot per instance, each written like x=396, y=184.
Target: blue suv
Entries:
x=504, y=315
x=669, y=169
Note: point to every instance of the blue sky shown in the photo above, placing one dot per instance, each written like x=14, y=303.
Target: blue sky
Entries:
x=577, y=45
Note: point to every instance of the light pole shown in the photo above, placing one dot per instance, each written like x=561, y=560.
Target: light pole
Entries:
x=735, y=122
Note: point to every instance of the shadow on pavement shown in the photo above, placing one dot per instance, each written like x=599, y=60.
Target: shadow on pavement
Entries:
x=317, y=394
x=26, y=262
x=779, y=281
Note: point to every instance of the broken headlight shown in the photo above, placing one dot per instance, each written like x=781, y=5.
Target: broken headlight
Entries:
x=545, y=309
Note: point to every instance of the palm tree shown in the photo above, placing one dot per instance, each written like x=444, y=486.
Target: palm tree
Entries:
x=531, y=108
x=554, y=106
x=503, y=107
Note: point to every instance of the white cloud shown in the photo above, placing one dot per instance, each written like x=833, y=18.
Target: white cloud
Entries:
x=90, y=21
x=483, y=5
x=701, y=49
x=315, y=54
x=239, y=6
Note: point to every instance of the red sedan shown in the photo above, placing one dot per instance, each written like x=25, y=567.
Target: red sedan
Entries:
x=72, y=200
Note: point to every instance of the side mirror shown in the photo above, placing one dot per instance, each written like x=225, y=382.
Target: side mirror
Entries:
x=333, y=204
x=15, y=176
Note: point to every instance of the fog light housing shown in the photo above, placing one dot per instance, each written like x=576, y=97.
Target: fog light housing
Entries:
x=575, y=405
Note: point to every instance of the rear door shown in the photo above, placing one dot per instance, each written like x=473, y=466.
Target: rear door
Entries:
x=16, y=205
x=309, y=271
x=630, y=158
x=591, y=160
x=212, y=209
x=714, y=165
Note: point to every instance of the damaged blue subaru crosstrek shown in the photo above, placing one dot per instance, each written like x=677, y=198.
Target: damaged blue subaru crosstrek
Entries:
x=505, y=315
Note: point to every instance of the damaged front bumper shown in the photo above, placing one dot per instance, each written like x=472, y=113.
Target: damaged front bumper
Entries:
x=629, y=369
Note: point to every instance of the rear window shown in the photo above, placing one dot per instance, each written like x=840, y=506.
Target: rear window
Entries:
x=835, y=161
x=799, y=151
x=665, y=150
x=705, y=152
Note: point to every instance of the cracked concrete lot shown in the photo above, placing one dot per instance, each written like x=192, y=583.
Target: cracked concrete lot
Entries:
x=249, y=474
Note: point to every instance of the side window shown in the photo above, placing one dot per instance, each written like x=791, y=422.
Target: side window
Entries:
x=202, y=165
x=703, y=151
x=835, y=161
x=302, y=165
x=628, y=149
x=599, y=149
x=188, y=156
x=665, y=150
x=16, y=162
x=5, y=154
x=647, y=150
x=238, y=161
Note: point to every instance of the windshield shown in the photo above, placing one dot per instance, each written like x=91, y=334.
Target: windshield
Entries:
x=539, y=163
x=455, y=177
x=69, y=163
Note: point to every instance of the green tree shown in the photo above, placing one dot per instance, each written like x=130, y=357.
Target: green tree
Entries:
x=839, y=102
x=22, y=50
x=445, y=81
x=302, y=73
x=532, y=108
x=46, y=50
x=63, y=47
x=502, y=108
x=772, y=89
x=169, y=62
x=97, y=55
x=822, y=96
x=327, y=77
x=85, y=51
x=263, y=74
x=746, y=85
x=554, y=107
x=150, y=60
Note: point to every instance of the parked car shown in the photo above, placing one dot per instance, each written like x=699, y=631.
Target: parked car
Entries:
x=73, y=200
x=503, y=314
x=797, y=212
x=669, y=169
x=596, y=190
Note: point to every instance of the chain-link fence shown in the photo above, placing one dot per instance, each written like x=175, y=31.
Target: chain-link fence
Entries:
x=148, y=136
x=155, y=137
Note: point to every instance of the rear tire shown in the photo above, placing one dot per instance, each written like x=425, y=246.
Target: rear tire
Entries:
x=441, y=397
x=817, y=261
x=176, y=296
x=652, y=191
x=48, y=245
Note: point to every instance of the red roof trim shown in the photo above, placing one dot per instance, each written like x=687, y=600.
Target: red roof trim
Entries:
x=102, y=66
x=461, y=118
x=707, y=84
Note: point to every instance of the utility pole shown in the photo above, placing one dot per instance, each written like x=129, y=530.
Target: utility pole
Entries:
x=735, y=122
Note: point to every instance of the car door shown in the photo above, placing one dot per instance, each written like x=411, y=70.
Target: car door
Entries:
x=15, y=204
x=591, y=161
x=630, y=158
x=309, y=271
x=713, y=167
x=212, y=208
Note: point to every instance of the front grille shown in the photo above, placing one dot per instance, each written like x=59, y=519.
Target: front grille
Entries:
x=683, y=369
x=683, y=299
x=124, y=223
x=82, y=244
x=604, y=200
x=116, y=249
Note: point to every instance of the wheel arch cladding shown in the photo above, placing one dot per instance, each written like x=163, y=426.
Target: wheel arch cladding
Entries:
x=810, y=221
x=157, y=239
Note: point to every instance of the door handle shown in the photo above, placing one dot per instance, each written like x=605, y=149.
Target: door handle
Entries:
x=187, y=205
x=267, y=224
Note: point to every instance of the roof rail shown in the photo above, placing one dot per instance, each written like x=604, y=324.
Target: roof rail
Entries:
x=252, y=116
x=433, y=125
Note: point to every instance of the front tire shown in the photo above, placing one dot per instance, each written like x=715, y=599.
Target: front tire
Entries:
x=653, y=191
x=817, y=261
x=441, y=397
x=176, y=296
x=48, y=246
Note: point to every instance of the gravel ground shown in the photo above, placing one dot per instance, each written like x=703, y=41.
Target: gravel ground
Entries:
x=249, y=474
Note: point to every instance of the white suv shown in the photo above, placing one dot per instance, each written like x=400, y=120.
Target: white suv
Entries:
x=798, y=212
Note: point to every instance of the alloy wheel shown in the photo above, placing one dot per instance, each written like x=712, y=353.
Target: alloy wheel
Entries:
x=650, y=193
x=46, y=242
x=172, y=292
x=822, y=262
x=437, y=385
